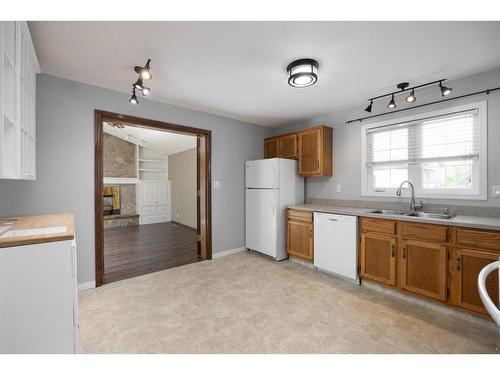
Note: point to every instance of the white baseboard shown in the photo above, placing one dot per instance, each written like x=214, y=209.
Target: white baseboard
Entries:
x=228, y=252
x=87, y=285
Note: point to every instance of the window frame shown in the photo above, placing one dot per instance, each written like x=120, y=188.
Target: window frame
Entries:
x=480, y=193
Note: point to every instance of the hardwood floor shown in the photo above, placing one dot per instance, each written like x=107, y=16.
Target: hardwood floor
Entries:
x=137, y=250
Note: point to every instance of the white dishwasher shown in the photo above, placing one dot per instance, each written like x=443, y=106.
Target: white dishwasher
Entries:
x=336, y=245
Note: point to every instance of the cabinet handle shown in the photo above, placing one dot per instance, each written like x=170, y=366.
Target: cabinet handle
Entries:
x=393, y=250
x=458, y=264
x=404, y=252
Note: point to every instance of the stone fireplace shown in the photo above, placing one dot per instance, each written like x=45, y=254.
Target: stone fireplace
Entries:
x=119, y=205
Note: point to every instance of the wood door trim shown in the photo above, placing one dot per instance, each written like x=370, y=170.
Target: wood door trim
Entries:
x=204, y=205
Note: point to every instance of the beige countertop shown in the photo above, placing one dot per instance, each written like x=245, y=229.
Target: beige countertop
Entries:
x=32, y=229
x=479, y=222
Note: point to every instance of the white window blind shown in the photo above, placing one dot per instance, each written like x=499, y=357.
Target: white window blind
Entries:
x=440, y=154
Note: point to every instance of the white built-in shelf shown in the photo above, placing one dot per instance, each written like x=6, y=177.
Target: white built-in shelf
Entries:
x=153, y=161
x=159, y=170
x=120, y=180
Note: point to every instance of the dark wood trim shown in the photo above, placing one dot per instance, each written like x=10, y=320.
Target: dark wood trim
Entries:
x=204, y=205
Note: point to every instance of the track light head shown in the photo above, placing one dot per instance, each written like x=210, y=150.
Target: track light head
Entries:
x=411, y=98
x=139, y=85
x=445, y=91
x=392, y=103
x=144, y=72
x=133, y=98
x=369, y=108
x=145, y=91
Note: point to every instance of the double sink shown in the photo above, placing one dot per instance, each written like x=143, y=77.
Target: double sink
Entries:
x=419, y=214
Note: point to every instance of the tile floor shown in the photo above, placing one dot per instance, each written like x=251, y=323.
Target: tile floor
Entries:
x=246, y=303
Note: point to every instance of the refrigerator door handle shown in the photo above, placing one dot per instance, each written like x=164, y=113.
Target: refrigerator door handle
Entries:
x=274, y=203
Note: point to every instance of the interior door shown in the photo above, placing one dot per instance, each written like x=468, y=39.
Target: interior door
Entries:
x=423, y=268
x=260, y=220
x=261, y=174
x=468, y=264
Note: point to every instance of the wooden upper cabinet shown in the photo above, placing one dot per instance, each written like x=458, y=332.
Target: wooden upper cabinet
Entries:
x=316, y=151
x=468, y=264
x=288, y=146
x=424, y=268
x=378, y=258
x=284, y=146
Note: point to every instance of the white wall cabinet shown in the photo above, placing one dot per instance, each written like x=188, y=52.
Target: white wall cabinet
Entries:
x=38, y=298
x=18, y=69
x=154, y=202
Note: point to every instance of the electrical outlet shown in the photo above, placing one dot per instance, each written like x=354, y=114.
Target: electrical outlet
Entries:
x=339, y=188
x=495, y=191
x=177, y=215
x=216, y=184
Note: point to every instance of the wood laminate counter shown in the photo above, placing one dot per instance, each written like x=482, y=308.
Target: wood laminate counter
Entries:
x=30, y=222
x=478, y=222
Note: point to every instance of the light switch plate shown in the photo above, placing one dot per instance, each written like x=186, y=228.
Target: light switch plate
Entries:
x=216, y=184
x=339, y=188
x=495, y=191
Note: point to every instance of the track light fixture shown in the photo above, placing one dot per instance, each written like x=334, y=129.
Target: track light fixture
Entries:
x=392, y=103
x=411, y=98
x=369, y=108
x=133, y=98
x=445, y=91
x=144, y=75
x=144, y=72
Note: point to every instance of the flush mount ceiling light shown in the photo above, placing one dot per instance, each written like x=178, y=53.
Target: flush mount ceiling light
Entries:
x=144, y=72
x=411, y=98
x=133, y=98
x=302, y=73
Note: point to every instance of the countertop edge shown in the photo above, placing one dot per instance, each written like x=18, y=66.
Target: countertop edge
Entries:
x=362, y=212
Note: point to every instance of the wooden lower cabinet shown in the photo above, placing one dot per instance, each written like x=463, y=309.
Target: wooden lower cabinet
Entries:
x=468, y=263
x=378, y=258
x=300, y=235
x=424, y=268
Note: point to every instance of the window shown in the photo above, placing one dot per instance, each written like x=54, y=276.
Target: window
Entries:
x=443, y=153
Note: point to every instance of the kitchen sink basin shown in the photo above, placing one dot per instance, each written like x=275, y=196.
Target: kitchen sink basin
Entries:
x=430, y=215
x=423, y=215
x=389, y=212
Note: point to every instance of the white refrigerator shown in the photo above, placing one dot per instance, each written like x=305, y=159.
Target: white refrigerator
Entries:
x=270, y=186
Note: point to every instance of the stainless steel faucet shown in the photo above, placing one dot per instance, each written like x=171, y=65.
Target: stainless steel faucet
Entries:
x=413, y=205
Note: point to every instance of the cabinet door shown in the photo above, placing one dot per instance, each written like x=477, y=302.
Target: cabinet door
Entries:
x=288, y=146
x=300, y=239
x=378, y=258
x=423, y=268
x=271, y=148
x=160, y=193
x=309, y=151
x=468, y=264
x=147, y=193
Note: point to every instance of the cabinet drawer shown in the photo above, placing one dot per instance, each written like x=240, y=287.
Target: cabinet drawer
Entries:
x=427, y=232
x=378, y=226
x=478, y=238
x=148, y=210
x=163, y=209
x=300, y=215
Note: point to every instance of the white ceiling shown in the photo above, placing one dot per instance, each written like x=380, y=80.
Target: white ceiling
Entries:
x=237, y=69
x=163, y=142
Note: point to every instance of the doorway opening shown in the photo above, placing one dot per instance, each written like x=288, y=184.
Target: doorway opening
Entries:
x=152, y=196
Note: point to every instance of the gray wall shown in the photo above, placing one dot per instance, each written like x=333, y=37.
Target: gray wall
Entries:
x=65, y=161
x=347, y=139
x=182, y=173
